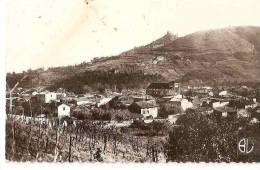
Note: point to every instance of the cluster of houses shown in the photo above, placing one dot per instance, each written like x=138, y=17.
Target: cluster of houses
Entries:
x=167, y=100
x=171, y=97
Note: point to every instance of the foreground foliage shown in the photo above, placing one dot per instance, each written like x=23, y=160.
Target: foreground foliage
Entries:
x=203, y=138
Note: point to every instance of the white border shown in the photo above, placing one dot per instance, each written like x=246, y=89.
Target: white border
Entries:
x=2, y=84
x=136, y=166
x=111, y=166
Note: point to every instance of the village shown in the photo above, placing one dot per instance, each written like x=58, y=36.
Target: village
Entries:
x=111, y=125
x=165, y=101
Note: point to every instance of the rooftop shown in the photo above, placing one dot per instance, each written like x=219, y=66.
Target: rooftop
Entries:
x=225, y=109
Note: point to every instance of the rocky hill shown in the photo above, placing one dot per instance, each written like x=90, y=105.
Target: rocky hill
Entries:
x=228, y=55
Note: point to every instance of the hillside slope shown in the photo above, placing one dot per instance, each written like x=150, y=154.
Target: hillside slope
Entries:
x=227, y=55
x=230, y=54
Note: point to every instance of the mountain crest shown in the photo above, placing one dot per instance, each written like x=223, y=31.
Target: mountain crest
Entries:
x=168, y=38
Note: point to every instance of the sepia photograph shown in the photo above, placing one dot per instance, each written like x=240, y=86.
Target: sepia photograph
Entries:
x=132, y=81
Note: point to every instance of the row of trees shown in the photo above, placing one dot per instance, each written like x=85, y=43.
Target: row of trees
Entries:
x=99, y=80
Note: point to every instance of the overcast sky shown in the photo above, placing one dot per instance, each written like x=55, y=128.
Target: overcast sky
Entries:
x=44, y=33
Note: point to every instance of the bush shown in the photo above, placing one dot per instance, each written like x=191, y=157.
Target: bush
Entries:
x=201, y=138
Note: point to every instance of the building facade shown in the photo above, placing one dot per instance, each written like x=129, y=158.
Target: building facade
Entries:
x=145, y=108
x=163, y=89
x=63, y=110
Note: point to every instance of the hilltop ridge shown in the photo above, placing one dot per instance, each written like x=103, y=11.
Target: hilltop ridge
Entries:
x=215, y=56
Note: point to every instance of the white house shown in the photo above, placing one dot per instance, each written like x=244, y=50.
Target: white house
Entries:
x=48, y=96
x=63, y=110
x=185, y=104
x=223, y=93
x=219, y=104
x=145, y=108
x=51, y=96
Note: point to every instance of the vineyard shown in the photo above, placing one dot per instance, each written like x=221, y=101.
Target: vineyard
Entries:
x=85, y=142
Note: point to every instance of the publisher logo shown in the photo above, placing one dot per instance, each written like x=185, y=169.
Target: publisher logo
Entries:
x=245, y=146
